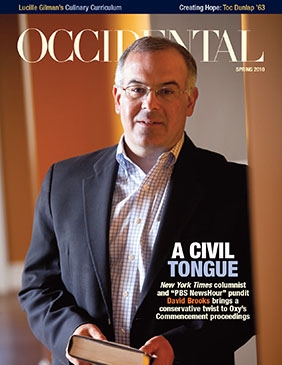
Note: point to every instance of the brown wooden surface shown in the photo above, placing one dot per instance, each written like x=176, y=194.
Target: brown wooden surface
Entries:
x=17, y=343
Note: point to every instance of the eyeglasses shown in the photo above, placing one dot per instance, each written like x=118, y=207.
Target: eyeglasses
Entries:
x=165, y=93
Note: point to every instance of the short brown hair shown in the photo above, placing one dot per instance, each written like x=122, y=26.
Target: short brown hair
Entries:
x=153, y=44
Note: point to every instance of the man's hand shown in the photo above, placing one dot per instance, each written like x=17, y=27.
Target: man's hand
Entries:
x=160, y=349
x=89, y=330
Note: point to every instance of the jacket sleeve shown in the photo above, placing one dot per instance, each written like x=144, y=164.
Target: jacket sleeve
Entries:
x=51, y=310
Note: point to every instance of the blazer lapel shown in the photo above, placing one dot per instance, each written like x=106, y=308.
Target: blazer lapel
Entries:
x=97, y=195
x=186, y=191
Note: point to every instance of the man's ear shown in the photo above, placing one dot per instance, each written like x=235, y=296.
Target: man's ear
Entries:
x=116, y=94
x=192, y=98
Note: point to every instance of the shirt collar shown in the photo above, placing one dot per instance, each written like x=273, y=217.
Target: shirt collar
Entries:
x=123, y=159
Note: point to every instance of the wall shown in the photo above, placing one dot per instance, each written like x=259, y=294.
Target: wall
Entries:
x=17, y=189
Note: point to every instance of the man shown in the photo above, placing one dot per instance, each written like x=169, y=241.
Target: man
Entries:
x=106, y=224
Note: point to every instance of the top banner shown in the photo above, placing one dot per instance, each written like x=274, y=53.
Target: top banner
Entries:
x=142, y=7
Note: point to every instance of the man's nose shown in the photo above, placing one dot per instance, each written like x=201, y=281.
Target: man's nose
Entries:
x=150, y=101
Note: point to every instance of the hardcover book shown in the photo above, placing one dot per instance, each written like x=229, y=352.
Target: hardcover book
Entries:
x=105, y=352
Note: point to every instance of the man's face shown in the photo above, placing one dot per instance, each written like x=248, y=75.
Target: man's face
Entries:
x=153, y=122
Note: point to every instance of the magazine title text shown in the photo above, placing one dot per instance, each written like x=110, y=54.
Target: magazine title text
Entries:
x=215, y=44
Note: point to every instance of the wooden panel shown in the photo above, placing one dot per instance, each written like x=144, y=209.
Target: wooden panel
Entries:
x=16, y=169
x=263, y=93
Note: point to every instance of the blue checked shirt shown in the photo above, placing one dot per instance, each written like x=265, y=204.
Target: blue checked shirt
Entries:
x=137, y=206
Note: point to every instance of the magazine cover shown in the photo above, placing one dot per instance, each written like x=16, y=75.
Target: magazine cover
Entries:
x=173, y=266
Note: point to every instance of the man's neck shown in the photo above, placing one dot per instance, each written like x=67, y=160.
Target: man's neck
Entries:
x=145, y=159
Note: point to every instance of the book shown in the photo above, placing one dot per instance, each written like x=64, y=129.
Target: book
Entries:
x=105, y=352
